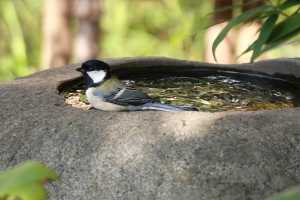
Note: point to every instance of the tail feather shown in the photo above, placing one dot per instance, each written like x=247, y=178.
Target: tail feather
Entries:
x=163, y=107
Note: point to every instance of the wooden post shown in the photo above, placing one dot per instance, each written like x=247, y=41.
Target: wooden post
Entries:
x=56, y=50
x=87, y=39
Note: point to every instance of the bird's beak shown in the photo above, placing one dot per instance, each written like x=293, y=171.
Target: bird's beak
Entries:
x=80, y=70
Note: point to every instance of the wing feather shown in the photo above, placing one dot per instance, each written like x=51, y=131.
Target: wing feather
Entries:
x=121, y=94
x=132, y=96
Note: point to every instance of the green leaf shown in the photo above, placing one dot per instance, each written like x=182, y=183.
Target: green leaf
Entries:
x=278, y=10
x=285, y=29
x=232, y=7
x=288, y=4
x=290, y=194
x=265, y=32
x=17, y=41
x=271, y=46
x=221, y=10
x=295, y=41
x=239, y=19
x=26, y=181
x=213, y=24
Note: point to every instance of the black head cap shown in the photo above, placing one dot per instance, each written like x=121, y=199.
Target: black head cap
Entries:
x=93, y=65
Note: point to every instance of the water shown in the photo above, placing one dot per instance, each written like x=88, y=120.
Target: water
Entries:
x=211, y=93
x=216, y=93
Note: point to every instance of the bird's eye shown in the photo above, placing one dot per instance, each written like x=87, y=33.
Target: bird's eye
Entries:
x=92, y=68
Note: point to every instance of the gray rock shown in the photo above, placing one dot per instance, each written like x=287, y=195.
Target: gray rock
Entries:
x=150, y=155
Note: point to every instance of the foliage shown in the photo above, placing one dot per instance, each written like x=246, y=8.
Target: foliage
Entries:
x=20, y=38
x=280, y=23
x=154, y=28
x=290, y=194
x=129, y=28
x=25, y=181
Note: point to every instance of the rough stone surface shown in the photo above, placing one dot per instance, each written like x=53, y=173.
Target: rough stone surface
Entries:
x=148, y=155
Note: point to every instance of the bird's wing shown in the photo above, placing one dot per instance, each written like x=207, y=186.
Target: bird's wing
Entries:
x=121, y=94
x=132, y=96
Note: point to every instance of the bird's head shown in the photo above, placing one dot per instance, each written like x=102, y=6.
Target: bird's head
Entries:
x=96, y=71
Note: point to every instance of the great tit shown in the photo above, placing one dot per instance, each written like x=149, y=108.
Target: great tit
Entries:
x=106, y=92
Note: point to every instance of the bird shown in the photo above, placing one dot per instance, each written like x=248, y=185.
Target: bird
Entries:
x=106, y=92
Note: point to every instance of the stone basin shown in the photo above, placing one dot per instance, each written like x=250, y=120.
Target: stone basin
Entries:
x=151, y=154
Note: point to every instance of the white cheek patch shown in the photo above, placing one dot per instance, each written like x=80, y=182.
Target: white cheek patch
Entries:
x=97, y=76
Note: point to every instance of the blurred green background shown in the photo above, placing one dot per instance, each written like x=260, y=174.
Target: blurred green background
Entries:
x=129, y=28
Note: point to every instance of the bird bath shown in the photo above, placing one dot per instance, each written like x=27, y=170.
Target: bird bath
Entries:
x=113, y=155
x=210, y=87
